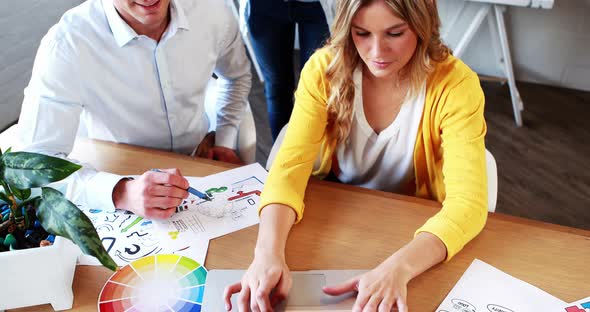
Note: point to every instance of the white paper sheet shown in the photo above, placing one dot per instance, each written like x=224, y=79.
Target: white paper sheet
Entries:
x=128, y=237
x=483, y=288
x=235, y=193
x=582, y=305
x=235, y=198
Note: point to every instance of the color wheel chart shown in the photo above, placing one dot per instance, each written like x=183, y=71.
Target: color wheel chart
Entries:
x=163, y=282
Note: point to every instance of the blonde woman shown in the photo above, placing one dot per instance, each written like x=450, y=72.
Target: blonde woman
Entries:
x=387, y=107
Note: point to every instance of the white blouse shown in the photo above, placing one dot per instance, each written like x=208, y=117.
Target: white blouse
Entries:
x=383, y=161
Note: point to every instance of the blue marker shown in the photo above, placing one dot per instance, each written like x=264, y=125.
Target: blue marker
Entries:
x=192, y=190
x=198, y=194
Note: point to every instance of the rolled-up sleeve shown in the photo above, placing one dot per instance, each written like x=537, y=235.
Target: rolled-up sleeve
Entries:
x=50, y=116
x=464, y=209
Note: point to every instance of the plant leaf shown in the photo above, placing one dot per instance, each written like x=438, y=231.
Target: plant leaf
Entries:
x=21, y=194
x=8, y=150
x=60, y=217
x=27, y=170
x=4, y=198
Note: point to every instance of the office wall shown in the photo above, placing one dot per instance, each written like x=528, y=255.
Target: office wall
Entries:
x=22, y=25
x=548, y=46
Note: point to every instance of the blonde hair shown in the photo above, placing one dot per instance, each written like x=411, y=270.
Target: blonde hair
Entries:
x=421, y=16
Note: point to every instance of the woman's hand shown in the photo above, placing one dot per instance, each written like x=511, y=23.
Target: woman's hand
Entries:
x=378, y=290
x=386, y=286
x=268, y=271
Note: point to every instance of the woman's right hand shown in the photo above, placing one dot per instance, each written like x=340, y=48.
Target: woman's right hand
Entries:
x=268, y=271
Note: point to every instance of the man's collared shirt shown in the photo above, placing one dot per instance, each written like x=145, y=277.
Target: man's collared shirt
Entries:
x=92, y=69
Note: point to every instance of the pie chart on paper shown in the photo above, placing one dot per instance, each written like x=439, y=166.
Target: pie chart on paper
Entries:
x=162, y=282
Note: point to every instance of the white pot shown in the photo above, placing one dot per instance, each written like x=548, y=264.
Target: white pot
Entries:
x=38, y=276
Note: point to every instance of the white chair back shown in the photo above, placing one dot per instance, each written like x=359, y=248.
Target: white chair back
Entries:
x=492, y=172
x=275, y=147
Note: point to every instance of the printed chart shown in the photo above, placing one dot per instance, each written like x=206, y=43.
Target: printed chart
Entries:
x=163, y=282
x=235, y=196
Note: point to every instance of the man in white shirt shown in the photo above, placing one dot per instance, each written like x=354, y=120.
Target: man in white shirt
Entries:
x=135, y=72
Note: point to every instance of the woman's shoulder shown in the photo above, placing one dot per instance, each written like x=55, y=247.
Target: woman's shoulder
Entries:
x=453, y=87
x=313, y=77
x=320, y=59
x=452, y=73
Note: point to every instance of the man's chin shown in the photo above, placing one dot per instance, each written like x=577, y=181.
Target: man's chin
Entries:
x=150, y=19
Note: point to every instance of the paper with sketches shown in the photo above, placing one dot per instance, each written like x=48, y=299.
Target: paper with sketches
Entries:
x=483, y=288
x=235, y=197
x=582, y=305
x=128, y=237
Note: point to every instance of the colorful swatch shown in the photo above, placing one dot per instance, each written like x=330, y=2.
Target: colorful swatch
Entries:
x=585, y=306
x=155, y=283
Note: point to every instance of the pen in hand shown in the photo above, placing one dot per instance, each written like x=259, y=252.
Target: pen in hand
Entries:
x=191, y=190
x=198, y=194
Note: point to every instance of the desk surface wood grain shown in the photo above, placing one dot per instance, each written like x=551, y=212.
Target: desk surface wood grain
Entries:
x=347, y=227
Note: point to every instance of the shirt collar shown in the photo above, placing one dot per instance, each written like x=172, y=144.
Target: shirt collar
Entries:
x=123, y=33
x=177, y=15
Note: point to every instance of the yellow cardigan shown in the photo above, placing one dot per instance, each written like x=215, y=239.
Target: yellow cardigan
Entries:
x=449, y=155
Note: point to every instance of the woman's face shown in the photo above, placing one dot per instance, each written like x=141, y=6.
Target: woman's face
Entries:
x=385, y=42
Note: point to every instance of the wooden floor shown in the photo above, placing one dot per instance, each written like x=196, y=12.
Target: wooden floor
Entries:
x=543, y=167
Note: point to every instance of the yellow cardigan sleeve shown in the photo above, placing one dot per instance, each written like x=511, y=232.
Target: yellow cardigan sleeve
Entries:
x=462, y=129
x=290, y=172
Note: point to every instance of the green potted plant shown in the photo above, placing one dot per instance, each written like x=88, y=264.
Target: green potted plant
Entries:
x=29, y=221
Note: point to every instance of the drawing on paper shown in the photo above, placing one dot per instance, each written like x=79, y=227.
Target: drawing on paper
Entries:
x=235, y=195
x=228, y=202
x=126, y=236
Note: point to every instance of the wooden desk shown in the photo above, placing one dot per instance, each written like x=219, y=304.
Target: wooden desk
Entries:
x=351, y=228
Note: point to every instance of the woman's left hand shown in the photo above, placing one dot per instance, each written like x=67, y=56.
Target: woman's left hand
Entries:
x=378, y=290
x=386, y=286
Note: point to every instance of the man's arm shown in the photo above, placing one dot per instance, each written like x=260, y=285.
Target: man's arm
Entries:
x=50, y=116
x=51, y=109
x=233, y=83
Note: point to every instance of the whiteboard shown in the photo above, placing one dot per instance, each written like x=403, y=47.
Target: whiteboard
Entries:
x=544, y=4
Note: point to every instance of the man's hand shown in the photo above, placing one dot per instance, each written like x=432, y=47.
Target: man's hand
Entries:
x=207, y=149
x=224, y=154
x=154, y=195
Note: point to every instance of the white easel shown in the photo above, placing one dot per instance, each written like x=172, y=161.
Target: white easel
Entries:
x=494, y=11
